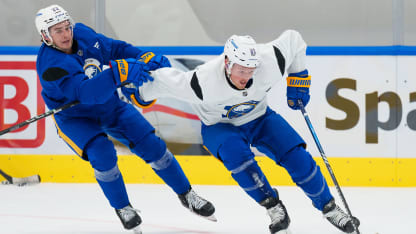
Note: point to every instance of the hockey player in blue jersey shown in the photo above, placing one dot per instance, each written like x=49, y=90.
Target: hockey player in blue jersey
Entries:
x=229, y=95
x=70, y=66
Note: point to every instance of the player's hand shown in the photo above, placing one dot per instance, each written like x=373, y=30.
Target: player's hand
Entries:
x=154, y=61
x=130, y=71
x=298, y=88
x=133, y=95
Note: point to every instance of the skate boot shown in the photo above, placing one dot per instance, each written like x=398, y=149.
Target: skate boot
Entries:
x=198, y=205
x=129, y=218
x=335, y=215
x=278, y=215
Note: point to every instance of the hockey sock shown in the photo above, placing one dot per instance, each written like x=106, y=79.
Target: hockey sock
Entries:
x=307, y=175
x=102, y=156
x=153, y=150
x=112, y=184
x=170, y=171
x=250, y=177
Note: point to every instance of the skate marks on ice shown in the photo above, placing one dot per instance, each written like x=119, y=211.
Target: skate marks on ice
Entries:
x=82, y=208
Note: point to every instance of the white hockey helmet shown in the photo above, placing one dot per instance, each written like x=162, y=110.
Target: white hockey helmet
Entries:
x=48, y=17
x=241, y=50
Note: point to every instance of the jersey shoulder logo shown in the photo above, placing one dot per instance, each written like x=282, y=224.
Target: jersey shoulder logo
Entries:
x=240, y=109
x=91, y=67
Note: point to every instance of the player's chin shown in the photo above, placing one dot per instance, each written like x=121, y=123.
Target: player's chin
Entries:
x=65, y=45
x=242, y=86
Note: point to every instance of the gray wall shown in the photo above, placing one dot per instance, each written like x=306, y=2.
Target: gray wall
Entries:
x=203, y=22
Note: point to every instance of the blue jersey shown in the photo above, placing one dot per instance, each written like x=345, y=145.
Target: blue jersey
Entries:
x=80, y=76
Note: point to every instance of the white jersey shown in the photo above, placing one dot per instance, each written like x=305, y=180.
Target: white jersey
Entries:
x=214, y=99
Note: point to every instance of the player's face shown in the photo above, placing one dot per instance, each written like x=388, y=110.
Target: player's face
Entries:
x=62, y=36
x=240, y=75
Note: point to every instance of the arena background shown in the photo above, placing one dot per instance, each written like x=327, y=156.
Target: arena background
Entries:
x=361, y=57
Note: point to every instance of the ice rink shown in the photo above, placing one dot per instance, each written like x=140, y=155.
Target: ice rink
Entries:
x=82, y=208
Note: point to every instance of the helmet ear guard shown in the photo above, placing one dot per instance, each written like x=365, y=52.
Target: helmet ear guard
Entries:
x=48, y=17
x=241, y=50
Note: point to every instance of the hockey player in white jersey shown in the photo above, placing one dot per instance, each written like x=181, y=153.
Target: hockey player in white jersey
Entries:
x=229, y=95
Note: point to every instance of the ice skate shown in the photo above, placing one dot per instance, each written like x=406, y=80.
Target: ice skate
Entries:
x=335, y=215
x=277, y=211
x=198, y=205
x=130, y=219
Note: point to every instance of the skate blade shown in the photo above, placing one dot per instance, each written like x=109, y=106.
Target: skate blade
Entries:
x=211, y=218
x=287, y=231
x=137, y=230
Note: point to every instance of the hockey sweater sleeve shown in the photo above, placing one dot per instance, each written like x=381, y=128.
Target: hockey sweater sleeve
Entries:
x=96, y=90
x=172, y=82
x=293, y=48
x=64, y=77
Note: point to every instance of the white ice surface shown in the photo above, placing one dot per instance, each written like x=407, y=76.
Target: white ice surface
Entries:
x=82, y=208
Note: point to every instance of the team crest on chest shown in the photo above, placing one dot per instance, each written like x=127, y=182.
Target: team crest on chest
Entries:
x=240, y=109
x=91, y=67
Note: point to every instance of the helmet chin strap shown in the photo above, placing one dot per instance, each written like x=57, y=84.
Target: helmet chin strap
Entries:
x=228, y=67
x=51, y=44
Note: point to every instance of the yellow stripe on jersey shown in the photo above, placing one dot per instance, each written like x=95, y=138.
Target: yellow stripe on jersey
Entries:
x=67, y=139
x=293, y=81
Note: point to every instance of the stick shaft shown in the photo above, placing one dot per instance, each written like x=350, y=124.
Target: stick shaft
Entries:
x=324, y=158
x=38, y=117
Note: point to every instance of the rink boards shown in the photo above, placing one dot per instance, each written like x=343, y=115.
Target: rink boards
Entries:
x=363, y=108
x=206, y=170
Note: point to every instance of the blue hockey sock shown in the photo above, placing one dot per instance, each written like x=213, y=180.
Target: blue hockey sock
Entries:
x=170, y=171
x=250, y=177
x=307, y=175
x=112, y=184
x=103, y=159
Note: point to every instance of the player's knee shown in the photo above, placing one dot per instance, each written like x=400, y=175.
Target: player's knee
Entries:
x=107, y=175
x=150, y=148
x=298, y=163
x=101, y=153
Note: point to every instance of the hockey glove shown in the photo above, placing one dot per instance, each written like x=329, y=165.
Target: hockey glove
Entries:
x=298, y=88
x=130, y=71
x=154, y=61
x=133, y=95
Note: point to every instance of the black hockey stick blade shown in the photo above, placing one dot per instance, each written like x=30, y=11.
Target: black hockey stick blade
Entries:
x=6, y=176
x=38, y=117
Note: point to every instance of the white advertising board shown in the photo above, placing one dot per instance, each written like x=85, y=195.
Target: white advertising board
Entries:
x=361, y=106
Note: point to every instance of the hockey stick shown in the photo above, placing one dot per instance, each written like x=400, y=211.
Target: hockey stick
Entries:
x=38, y=117
x=34, y=179
x=328, y=166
